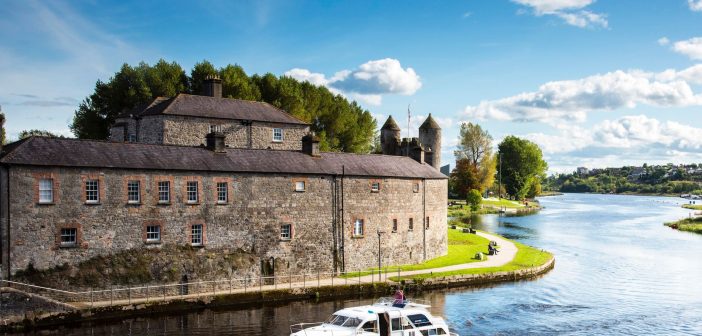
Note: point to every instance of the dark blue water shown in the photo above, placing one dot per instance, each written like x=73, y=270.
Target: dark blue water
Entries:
x=619, y=271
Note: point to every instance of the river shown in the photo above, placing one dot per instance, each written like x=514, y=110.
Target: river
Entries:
x=618, y=271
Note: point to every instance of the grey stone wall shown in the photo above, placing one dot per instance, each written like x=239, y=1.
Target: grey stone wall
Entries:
x=248, y=223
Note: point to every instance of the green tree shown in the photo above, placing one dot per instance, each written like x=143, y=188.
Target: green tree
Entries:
x=36, y=132
x=474, y=199
x=2, y=127
x=522, y=165
x=475, y=146
x=464, y=177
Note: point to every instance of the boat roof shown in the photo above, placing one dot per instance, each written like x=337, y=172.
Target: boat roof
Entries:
x=368, y=311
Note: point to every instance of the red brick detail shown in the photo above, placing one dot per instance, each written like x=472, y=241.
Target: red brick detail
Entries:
x=172, y=188
x=56, y=185
x=353, y=226
x=380, y=185
x=125, y=189
x=230, y=188
x=299, y=179
x=101, y=186
x=200, y=194
x=80, y=242
x=189, y=234
x=154, y=222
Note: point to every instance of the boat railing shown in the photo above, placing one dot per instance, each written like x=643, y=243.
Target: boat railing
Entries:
x=303, y=327
x=389, y=301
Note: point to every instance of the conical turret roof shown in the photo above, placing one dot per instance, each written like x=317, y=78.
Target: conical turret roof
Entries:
x=391, y=124
x=430, y=123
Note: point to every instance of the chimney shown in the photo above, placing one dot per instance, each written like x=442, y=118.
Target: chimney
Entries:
x=310, y=144
x=215, y=142
x=212, y=86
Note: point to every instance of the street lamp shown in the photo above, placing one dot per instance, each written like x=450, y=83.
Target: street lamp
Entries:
x=380, y=271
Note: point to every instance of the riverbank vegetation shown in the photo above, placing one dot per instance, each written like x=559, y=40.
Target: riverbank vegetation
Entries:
x=527, y=257
x=693, y=224
x=692, y=206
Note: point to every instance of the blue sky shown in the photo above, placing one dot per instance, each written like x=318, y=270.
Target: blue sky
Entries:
x=594, y=82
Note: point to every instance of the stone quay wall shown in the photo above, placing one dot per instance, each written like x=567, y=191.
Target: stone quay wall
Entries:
x=249, y=223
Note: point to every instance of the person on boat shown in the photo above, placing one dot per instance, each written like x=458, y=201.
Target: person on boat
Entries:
x=399, y=297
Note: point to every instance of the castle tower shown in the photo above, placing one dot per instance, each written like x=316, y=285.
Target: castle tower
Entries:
x=430, y=138
x=390, y=137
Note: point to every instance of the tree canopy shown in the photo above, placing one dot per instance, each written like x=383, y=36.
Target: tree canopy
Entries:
x=475, y=161
x=523, y=167
x=37, y=132
x=341, y=125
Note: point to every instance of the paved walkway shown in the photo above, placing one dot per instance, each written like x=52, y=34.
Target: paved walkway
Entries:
x=507, y=252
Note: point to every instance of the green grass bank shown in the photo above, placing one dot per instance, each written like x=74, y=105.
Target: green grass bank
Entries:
x=693, y=224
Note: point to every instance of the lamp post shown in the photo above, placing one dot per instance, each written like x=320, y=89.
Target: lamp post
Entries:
x=499, y=187
x=380, y=271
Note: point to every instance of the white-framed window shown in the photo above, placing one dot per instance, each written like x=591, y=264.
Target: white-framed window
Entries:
x=133, y=191
x=196, y=232
x=92, y=191
x=153, y=233
x=277, y=134
x=394, y=225
x=192, y=191
x=410, y=226
x=286, y=231
x=299, y=185
x=222, y=194
x=164, y=191
x=375, y=186
x=358, y=227
x=215, y=128
x=46, y=191
x=69, y=237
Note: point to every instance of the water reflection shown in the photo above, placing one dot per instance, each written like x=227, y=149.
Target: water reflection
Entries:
x=618, y=271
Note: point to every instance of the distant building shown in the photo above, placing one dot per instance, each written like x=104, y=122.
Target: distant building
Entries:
x=583, y=171
x=636, y=174
x=446, y=170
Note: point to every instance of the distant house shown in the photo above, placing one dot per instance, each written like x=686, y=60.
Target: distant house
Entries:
x=636, y=174
x=582, y=171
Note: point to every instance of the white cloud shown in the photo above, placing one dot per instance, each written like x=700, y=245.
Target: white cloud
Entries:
x=571, y=11
x=571, y=100
x=691, y=48
x=664, y=41
x=368, y=82
x=695, y=5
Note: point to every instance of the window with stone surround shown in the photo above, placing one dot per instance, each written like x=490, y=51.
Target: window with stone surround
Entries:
x=286, y=232
x=394, y=225
x=153, y=233
x=300, y=186
x=222, y=194
x=278, y=134
x=133, y=192
x=197, y=235
x=375, y=186
x=192, y=191
x=69, y=237
x=415, y=187
x=92, y=191
x=46, y=191
x=358, y=228
x=410, y=227
x=164, y=192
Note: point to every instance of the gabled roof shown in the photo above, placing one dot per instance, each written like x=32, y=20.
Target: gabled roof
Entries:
x=213, y=107
x=54, y=152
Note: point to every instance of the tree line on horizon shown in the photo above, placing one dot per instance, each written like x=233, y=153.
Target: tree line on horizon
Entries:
x=341, y=125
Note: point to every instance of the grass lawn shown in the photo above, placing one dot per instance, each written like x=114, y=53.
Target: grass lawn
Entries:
x=688, y=224
x=526, y=257
x=462, y=248
x=489, y=205
x=692, y=206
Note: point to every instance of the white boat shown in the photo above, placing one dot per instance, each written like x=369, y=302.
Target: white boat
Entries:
x=386, y=317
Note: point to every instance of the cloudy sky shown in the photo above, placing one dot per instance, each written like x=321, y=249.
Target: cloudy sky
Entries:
x=594, y=82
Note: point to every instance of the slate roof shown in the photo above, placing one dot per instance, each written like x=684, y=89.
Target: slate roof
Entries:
x=430, y=123
x=53, y=152
x=212, y=107
x=391, y=124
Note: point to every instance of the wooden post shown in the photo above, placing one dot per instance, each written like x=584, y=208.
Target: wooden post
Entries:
x=290, y=280
x=246, y=280
x=318, y=278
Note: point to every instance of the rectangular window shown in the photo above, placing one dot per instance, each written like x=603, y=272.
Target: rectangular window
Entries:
x=277, y=134
x=69, y=237
x=153, y=233
x=375, y=186
x=299, y=185
x=411, y=224
x=46, y=191
x=133, y=195
x=426, y=224
x=415, y=187
x=192, y=191
x=394, y=225
x=222, y=192
x=92, y=193
x=164, y=191
x=358, y=227
x=196, y=235
x=286, y=231
x=215, y=128
x=132, y=138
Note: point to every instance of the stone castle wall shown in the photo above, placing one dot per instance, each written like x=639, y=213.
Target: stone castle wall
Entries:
x=248, y=223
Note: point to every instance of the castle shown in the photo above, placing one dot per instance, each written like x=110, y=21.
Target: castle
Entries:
x=219, y=176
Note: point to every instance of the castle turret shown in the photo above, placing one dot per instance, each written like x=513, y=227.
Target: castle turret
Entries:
x=430, y=138
x=390, y=137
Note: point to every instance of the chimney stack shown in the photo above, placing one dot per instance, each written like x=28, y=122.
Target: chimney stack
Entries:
x=310, y=144
x=212, y=87
x=215, y=142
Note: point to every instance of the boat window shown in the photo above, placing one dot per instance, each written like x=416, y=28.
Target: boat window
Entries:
x=352, y=322
x=395, y=323
x=406, y=324
x=432, y=332
x=370, y=326
x=419, y=320
x=336, y=320
x=441, y=331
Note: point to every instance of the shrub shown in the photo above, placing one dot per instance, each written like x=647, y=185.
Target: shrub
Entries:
x=474, y=199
